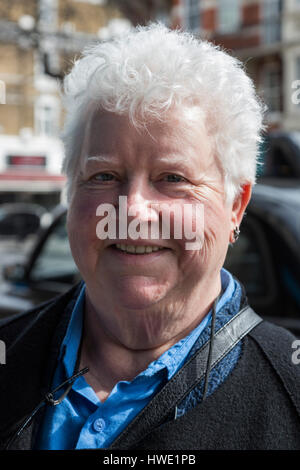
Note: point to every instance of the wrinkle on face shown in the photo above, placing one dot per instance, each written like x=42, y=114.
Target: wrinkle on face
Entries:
x=172, y=294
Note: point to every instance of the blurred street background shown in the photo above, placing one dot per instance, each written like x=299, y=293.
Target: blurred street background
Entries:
x=39, y=40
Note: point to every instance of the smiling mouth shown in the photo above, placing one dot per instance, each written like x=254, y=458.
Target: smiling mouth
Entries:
x=138, y=249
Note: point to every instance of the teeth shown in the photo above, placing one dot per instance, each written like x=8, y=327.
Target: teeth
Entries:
x=139, y=249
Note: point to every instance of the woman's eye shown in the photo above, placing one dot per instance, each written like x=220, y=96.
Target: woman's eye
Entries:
x=103, y=177
x=174, y=178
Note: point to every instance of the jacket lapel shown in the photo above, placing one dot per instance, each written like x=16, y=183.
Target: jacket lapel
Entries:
x=27, y=376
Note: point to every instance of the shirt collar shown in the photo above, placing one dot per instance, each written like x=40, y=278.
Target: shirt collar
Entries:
x=72, y=339
x=171, y=359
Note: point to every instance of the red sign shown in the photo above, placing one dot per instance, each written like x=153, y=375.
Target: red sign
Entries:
x=26, y=160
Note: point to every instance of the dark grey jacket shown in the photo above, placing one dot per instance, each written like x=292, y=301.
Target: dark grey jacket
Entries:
x=257, y=407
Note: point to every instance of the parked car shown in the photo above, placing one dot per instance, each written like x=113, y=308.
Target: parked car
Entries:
x=280, y=155
x=18, y=220
x=266, y=259
x=49, y=269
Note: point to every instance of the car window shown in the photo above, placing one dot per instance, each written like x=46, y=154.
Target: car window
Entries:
x=55, y=259
x=18, y=224
x=279, y=157
x=250, y=261
x=286, y=258
x=279, y=165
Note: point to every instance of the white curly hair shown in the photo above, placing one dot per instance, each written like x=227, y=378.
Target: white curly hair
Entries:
x=153, y=69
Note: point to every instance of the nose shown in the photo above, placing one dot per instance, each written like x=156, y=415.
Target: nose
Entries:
x=139, y=200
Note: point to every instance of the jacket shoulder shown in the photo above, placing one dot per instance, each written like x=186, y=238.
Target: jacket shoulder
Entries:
x=33, y=340
x=250, y=410
x=279, y=347
x=12, y=326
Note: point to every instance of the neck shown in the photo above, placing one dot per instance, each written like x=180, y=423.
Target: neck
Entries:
x=110, y=360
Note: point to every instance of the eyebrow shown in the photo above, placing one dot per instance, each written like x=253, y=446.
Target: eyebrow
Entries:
x=108, y=158
x=100, y=158
x=177, y=162
x=172, y=158
x=180, y=162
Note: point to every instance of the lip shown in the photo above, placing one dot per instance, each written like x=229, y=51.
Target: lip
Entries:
x=136, y=259
x=142, y=242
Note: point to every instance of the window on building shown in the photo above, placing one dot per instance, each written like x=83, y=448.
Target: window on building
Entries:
x=271, y=21
x=47, y=116
x=229, y=15
x=271, y=87
x=192, y=15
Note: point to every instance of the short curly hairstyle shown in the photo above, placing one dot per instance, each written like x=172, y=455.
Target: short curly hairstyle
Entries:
x=153, y=69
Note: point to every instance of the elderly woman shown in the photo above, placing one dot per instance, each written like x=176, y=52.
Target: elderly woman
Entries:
x=156, y=348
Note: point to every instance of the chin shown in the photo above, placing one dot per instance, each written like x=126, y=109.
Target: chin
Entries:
x=139, y=292
x=138, y=300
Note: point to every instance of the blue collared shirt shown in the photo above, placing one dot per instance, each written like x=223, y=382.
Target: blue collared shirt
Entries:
x=82, y=421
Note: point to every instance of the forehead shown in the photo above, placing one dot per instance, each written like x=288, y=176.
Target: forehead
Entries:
x=108, y=134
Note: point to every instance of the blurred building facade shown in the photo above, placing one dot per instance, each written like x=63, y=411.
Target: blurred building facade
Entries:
x=265, y=35
x=39, y=39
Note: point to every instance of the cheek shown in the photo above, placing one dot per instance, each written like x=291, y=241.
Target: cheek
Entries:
x=216, y=230
x=189, y=223
x=213, y=227
x=186, y=223
x=81, y=226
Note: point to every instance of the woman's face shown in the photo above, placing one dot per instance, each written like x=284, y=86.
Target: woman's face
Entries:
x=147, y=297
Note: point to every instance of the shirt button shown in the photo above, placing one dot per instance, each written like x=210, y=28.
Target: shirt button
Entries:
x=98, y=424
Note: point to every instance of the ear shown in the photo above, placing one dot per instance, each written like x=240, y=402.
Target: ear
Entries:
x=239, y=206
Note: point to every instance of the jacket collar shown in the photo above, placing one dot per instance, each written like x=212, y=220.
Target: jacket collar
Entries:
x=27, y=376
